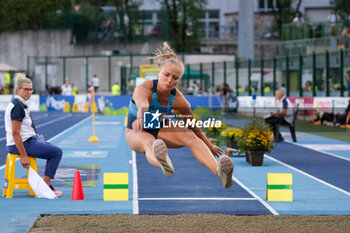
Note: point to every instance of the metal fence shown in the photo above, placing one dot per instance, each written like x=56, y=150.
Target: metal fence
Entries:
x=307, y=46
x=306, y=30
x=316, y=74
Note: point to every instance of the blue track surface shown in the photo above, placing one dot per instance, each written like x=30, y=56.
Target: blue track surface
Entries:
x=320, y=179
x=191, y=180
x=24, y=209
x=49, y=124
x=321, y=165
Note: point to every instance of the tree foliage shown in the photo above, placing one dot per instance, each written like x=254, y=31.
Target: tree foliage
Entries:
x=179, y=19
x=284, y=12
x=183, y=22
x=128, y=12
x=342, y=7
x=29, y=14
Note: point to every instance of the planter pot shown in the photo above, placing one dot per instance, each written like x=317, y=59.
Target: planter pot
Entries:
x=256, y=158
x=247, y=157
x=232, y=144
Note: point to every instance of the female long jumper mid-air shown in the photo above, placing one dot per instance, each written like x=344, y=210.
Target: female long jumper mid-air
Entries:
x=162, y=95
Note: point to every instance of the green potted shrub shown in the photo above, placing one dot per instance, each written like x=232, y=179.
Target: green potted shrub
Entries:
x=214, y=133
x=256, y=139
x=231, y=136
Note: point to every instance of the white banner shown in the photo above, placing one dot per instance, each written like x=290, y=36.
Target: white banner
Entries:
x=33, y=102
x=331, y=104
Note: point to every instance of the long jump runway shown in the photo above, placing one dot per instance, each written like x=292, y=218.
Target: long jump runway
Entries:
x=193, y=189
x=320, y=179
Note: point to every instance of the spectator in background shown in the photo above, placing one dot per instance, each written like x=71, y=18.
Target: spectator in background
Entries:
x=48, y=88
x=129, y=87
x=53, y=90
x=298, y=18
x=348, y=82
x=95, y=82
x=216, y=28
x=308, y=86
x=267, y=88
x=333, y=18
x=335, y=85
x=116, y=89
x=347, y=121
x=225, y=90
x=155, y=32
x=347, y=20
x=66, y=89
x=75, y=90
x=346, y=36
x=240, y=89
x=196, y=87
x=298, y=21
x=336, y=119
x=7, y=88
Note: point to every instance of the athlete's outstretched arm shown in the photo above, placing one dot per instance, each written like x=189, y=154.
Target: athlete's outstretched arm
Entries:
x=183, y=106
x=142, y=97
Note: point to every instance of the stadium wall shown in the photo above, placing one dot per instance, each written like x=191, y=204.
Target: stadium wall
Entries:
x=201, y=105
x=16, y=46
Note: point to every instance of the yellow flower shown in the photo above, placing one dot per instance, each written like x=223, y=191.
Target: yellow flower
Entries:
x=255, y=137
x=231, y=133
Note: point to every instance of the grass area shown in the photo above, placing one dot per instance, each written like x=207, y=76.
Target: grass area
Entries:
x=323, y=130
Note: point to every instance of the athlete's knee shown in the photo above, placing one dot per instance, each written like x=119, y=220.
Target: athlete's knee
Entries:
x=148, y=142
x=187, y=137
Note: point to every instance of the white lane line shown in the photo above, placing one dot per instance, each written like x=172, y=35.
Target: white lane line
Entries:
x=41, y=116
x=34, y=118
x=197, y=199
x=310, y=176
x=53, y=121
x=135, y=202
x=321, y=151
x=334, y=147
x=272, y=210
x=46, y=123
x=70, y=128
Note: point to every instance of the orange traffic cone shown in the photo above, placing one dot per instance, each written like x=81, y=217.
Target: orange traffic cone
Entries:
x=78, y=192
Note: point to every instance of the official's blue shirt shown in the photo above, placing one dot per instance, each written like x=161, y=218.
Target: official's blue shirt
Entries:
x=285, y=103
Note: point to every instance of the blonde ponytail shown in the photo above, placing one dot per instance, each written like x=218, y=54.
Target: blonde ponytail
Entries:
x=167, y=55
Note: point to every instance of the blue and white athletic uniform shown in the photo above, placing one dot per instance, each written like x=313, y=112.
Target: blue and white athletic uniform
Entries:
x=153, y=106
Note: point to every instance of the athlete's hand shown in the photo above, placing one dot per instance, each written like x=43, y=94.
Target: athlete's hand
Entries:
x=217, y=151
x=25, y=161
x=137, y=125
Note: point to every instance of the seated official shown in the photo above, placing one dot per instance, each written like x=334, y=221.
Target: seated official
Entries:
x=21, y=134
x=283, y=115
